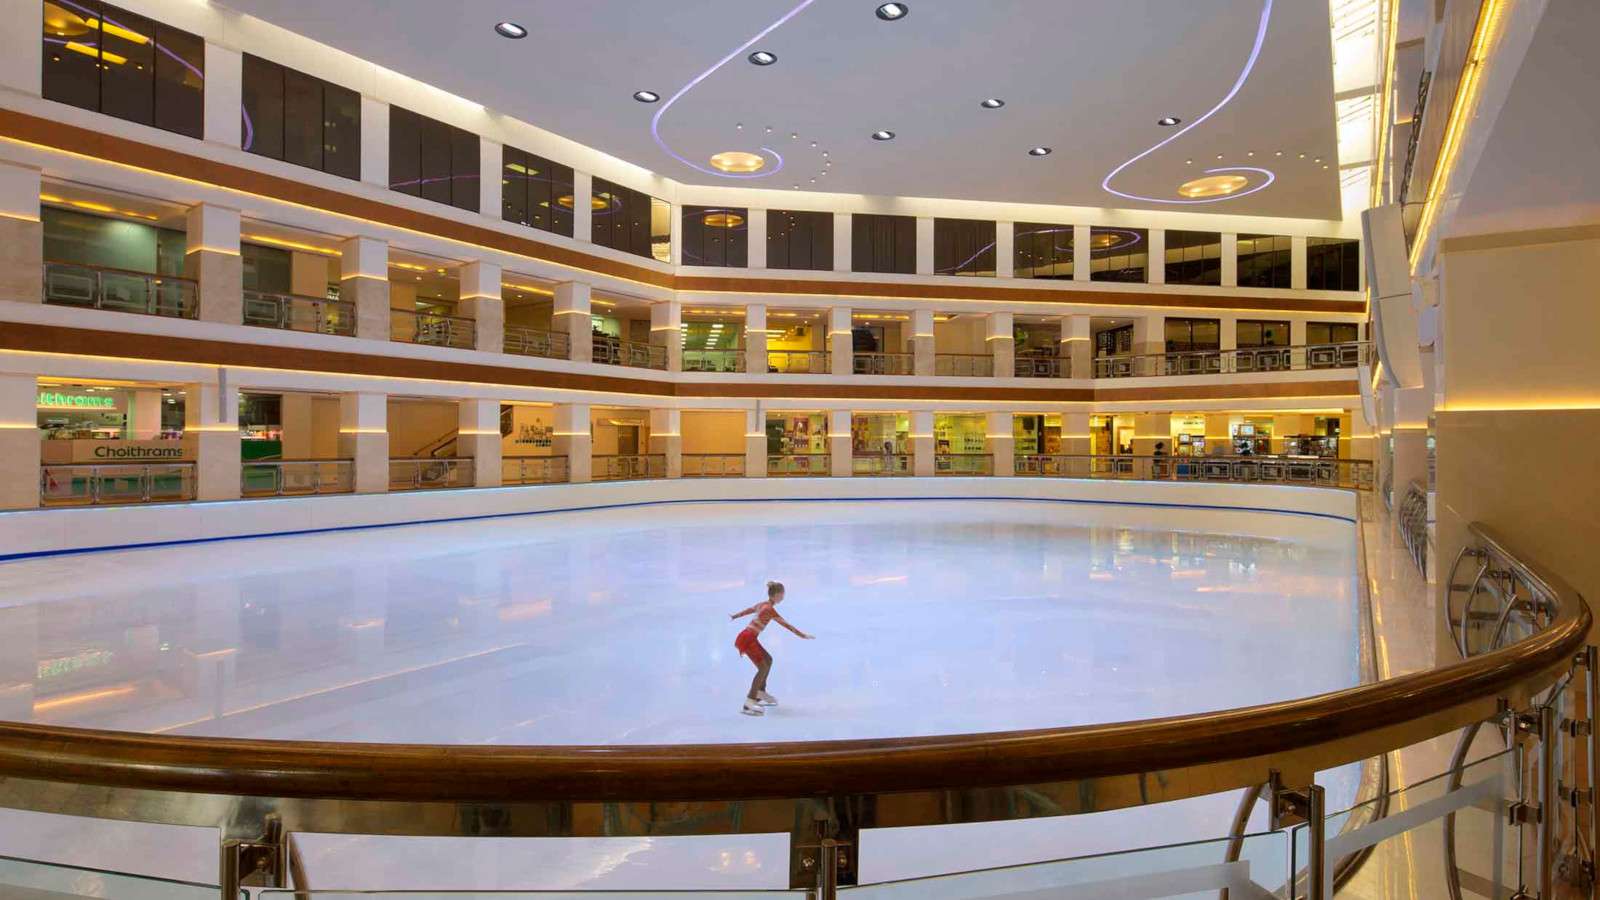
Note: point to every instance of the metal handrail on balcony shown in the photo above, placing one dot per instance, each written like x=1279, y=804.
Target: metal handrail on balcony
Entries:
x=964, y=365
x=970, y=464
x=628, y=467
x=293, y=312
x=1029, y=365
x=537, y=342
x=533, y=470
x=799, y=362
x=883, y=363
x=1311, y=470
x=118, y=483
x=881, y=464
x=1230, y=362
x=713, y=465
x=120, y=290
x=1413, y=518
x=799, y=465
x=432, y=329
x=714, y=360
x=615, y=352
x=295, y=477
x=430, y=473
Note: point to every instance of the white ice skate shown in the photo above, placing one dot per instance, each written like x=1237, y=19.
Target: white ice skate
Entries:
x=752, y=708
x=766, y=699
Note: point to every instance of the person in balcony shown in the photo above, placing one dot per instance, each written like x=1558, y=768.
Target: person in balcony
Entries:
x=748, y=644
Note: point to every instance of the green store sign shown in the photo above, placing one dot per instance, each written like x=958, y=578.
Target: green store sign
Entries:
x=58, y=400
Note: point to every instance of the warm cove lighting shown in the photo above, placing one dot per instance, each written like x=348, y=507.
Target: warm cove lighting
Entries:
x=723, y=220
x=1213, y=186
x=738, y=161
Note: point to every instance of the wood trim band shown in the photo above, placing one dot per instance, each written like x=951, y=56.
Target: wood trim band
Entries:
x=54, y=135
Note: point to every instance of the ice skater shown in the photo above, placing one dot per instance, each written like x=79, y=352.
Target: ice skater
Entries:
x=749, y=644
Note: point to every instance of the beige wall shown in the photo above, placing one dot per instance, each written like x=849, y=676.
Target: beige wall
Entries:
x=713, y=431
x=603, y=425
x=415, y=424
x=526, y=314
x=310, y=426
x=526, y=417
x=962, y=334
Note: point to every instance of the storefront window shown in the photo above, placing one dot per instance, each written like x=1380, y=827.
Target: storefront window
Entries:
x=716, y=236
x=883, y=244
x=1118, y=254
x=797, y=433
x=1194, y=257
x=535, y=192
x=1037, y=434
x=1114, y=341
x=87, y=240
x=799, y=240
x=960, y=433
x=294, y=117
x=1040, y=250
x=108, y=60
x=963, y=247
x=93, y=423
x=880, y=433
x=267, y=269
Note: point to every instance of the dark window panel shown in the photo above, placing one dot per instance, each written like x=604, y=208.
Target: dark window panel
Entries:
x=465, y=162
x=405, y=151
x=180, y=82
x=514, y=186
x=302, y=119
x=435, y=161
x=693, y=252
x=72, y=55
x=1122, y=254
x=561, y=200
x=127, y=71
x=1192, y=334
x=261, y=122
x=341, y=131
x=1042, y=250
x=780, y=239
x=639, y=224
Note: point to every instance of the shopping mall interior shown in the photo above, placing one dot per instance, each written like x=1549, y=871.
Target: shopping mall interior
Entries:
x=1133, y=408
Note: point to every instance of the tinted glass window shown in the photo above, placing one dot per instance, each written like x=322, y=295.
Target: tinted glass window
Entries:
x=1040, y=250
x=109, y=60
x=432, y=160
x=883, y=244
x=1333, y=264
x=715, y=236
x=294, y=117
x=1264, y=261
x=1118, y=254
x=1332, y=332
x=799, y=240
x=261, y=113
x=302, y=119
x=1194, y=257
x=1193, y=334
x=1257, y=333
x=963, y=247
x=405, y=151
x=341, y=131
x=629, y=220
x=128, y=57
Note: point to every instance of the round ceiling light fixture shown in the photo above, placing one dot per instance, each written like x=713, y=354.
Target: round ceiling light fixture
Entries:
x=1168, y=121
x=1213, y=186
x=891, y=12
x=510, y=30
x=723, y=219
x=883, y=135
x=1040, y=151
x=992, y=103
x=738, y=162
x=646, y=96
x=762, y=58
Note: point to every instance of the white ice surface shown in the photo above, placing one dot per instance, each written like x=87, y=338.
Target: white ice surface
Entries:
x=935, y=616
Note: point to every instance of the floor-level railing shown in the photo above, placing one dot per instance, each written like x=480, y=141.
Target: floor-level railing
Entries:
x=537, y=342
x=1231, y=362
x=1349, y=473
x=430, y=473
x=883, y=363
x=293, y=312
x=634, y=354
x=1413, y=518
x=116, y=483
x=963, y=464
x=799, y=465
x=713, y=360
x=121, y=290
x=881, y=464
x=432, y=329
x=533, y=470
x=713, y=465
x=798, y=362
x=1033, y=366
x=964, y=365
x=628, y=467
x=294, y=477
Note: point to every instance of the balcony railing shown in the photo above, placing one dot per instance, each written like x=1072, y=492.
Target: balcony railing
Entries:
x=884, y=364
x=432, y=329
x=1031, y=366
x=713, y=360
x=295, y=477
x=885, y=464
x=1231, y=362
x=963, y=464
x=799, y=465
x=613, y=352
x=430, y=473
x=292, y=312
x=1348, y=473
x=628, y=467
x=121, y=290
x=533, y=470
x=1413, y=519
x=105, y=485
x=799, y=362
x=537, y=342
x=713, y=465
x=964, y=365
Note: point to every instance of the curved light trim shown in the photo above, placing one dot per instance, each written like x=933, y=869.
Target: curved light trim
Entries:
x=1255, y=52
x=655, y=121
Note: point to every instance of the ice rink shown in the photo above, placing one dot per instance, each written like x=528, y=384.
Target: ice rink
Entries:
x=933, y=616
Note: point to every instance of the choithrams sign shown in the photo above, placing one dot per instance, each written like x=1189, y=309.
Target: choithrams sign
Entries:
x=58, y=400
x=120, y=451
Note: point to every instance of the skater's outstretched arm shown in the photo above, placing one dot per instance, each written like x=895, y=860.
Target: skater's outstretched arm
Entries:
x=744, y=612
x=785, y=623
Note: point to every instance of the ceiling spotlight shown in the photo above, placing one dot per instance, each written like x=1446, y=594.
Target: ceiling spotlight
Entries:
x=1318, y=159
x=1302, y=156
x=794, y=135
x=762, y=58
x=889, y=12
x=992, y=103
x=1039, y=151
x=1188, y=162
x=1168, y=121
x=511, y=30
x=883, y=135
x=824, y=154
x=646, y=96
x=1249, y=153
x=769, y=129
x=738, y=126
x=813, y=145
x=1279, y=153
x=1219, y=156
x=813, y=181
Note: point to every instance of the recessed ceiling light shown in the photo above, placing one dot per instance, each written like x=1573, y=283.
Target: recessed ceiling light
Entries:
x=1302, y=156
x=813, y=145
x=889, y=12
x=738, y=126
x=646, y=96
x=511, y=30
x=738, y=161
x=763, y=58
x=992, y=103
x=1219, y=156
x=1279, y=153
x=1213, y=186
x=1039, y=151
x=1318, y=159
x=883, y=135
x=1168, y=121
x=1188, y=162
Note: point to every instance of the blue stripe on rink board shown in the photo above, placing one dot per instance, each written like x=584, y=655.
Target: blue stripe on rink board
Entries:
x=35, y=554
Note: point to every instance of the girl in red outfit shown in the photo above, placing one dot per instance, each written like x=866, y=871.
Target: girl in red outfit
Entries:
x=749, y=644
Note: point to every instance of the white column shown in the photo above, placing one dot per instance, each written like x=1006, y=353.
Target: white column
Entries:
x=1228, y=332
x=1297, y=262
x=491, y=195
x=1297, y=332
x=482, y=303
x=374, y=142
x=213, y=259
x=1230, y=259
x=364, y=281
x=924, y=246
x=922, y=346
x=21, y=235
x=755, y=224
x=582, y=212
x=1075, y=433
x=922, y=443
x=666, y=330
x=574, y=439
x=755, y=338
x=755, y=443
x=1077, y=345
x=19, y=442
x=839, y=341
x=478, y=438
x=22, y=64
x=841, y=242
x=364, y=439
x=1080, y=253
x=573, y=316
x=223, y=95
x=1002, y=443
x=211, y=438
x=144, y=415
x=666, y=438
x=1002, y=344
x=839, y=452
x=1005, y=255
x=1156, y=270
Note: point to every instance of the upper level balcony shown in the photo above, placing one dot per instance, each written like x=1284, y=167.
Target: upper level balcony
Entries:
x=120, y=290
x=1232, y=362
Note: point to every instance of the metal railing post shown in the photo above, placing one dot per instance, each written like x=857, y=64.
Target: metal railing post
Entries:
x=1548, y=814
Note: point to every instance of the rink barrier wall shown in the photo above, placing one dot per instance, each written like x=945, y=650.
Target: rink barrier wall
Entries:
x=48, y=532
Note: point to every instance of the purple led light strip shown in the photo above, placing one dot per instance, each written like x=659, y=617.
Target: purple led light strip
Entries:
x=655, y=121
x=1255, y=52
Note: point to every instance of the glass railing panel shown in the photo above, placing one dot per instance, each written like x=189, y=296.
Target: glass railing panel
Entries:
x=713, y=360
x=29, y=878
x=713, y=465
x=798, y=362
x=800, y=465
x=675, y=894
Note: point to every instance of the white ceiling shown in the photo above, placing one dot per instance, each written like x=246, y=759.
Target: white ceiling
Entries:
x=1088, y=79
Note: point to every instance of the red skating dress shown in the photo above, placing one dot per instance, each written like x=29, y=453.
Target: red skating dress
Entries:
x=749, y=640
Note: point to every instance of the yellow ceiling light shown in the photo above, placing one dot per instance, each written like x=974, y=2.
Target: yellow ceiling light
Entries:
x=1213, y=186
x=724, y=220
x=62, y=23
x=738, y=162
x=291, y=245
x=118, y=31
x=596, y=201
x=102, y=55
